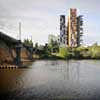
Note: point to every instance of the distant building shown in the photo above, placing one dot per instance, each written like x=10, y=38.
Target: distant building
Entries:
x=72, y=28
x=62, y=31
x=71, y=34
x=79, y=29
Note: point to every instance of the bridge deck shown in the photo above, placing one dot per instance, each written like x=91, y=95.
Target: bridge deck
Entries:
x=7, y=38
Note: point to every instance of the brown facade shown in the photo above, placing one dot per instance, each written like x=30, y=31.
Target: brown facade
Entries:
x=72, y=28
x=71, y=35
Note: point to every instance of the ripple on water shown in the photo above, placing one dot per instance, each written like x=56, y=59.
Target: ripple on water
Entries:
x=53, y=79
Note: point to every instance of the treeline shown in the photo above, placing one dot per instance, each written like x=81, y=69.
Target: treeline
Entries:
x=53, y=51
x=91, y=52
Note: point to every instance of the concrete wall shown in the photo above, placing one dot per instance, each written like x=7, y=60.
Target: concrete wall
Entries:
x=5, y=56
x=8, y=54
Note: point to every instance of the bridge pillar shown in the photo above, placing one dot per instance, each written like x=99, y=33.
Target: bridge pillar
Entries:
x=18, y=52
x=31, y=53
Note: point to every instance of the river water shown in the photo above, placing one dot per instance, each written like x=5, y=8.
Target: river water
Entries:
x=52, y=80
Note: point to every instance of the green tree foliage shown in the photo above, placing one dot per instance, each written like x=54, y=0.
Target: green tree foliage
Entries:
x=95, y=52
x=54, y=46
x=64, y=53
x=28, y=42
x=92, y=52
x=36, y=46
x=46, y=51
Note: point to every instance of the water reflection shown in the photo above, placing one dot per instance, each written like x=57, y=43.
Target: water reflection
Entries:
x=53, y=79
x=70, y=71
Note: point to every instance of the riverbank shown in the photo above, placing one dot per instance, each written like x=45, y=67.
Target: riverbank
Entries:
x=64, y=58
x=90, y=52
x=8, y=55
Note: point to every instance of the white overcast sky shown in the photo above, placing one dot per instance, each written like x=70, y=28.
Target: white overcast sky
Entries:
x=40, y=18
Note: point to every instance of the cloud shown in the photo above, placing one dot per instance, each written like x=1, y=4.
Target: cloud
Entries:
x=41, y=17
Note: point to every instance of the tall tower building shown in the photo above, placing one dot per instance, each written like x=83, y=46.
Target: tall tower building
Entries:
x=62, y=31
x=72, y=28
x=79, y=30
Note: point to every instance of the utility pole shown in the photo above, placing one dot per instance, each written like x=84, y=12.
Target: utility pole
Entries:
x=18, y=47
x=20, y=31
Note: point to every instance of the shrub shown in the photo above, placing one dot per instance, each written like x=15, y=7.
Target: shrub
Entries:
x=64, y=53
x=95, y=52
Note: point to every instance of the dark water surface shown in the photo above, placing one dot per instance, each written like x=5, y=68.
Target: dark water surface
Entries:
x=52, y=80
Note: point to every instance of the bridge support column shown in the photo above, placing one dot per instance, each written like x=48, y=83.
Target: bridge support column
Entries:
x=18, y=59
x=18, y=52
x=31, y=53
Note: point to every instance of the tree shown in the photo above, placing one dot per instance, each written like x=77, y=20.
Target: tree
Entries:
x=54, y=46
x=36, y=45
x=64, y=53
x=28, y=42
x=95, y=44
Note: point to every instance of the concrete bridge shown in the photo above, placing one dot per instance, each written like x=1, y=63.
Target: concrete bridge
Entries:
x=7, y=39
x=17, y=45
